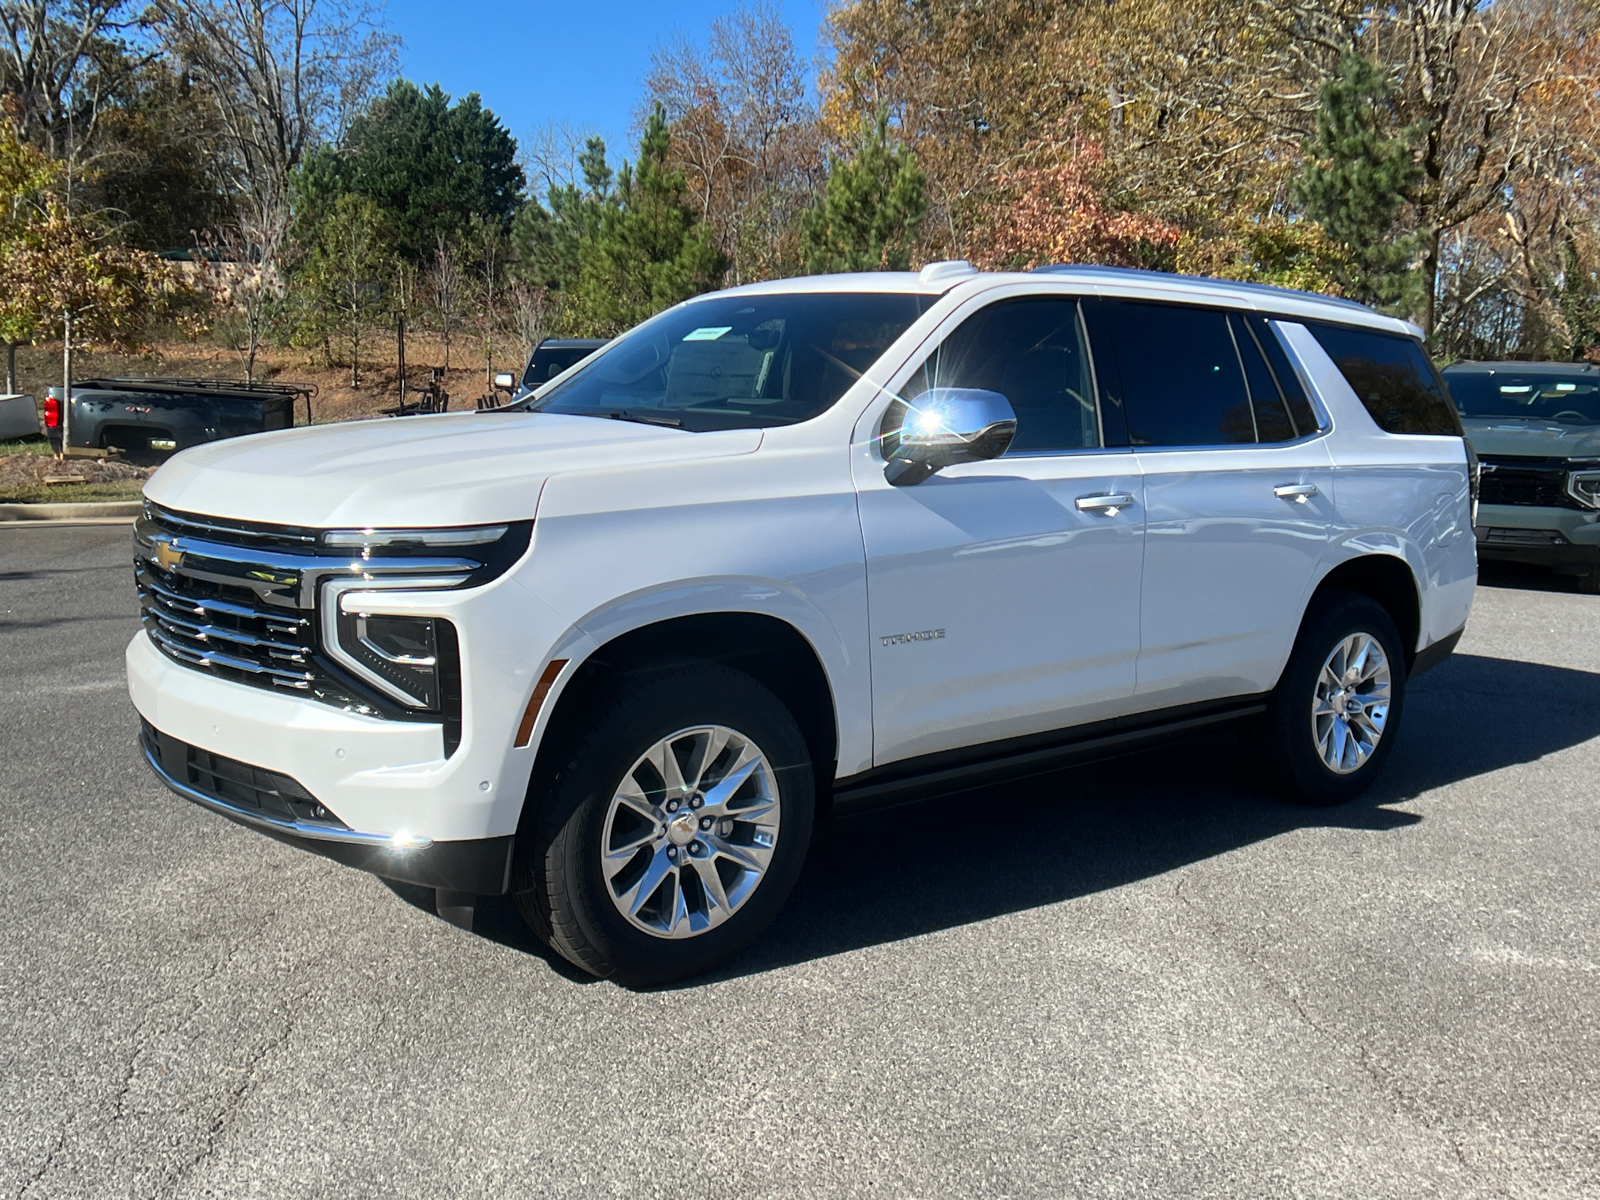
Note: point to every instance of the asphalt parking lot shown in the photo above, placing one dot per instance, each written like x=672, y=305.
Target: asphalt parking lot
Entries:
x=1139, y=979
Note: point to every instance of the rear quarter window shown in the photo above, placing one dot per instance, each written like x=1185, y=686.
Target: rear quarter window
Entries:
x=1393, y=377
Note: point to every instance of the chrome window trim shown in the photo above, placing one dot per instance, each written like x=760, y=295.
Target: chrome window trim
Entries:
x=1310, y=437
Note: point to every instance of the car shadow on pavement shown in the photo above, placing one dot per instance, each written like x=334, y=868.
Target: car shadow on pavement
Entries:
x=1520, y=577
x=884, y=876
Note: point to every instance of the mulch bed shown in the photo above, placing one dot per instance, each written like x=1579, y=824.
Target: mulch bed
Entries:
x=32, y=470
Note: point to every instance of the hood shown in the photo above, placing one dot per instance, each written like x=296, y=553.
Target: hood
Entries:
x=452, y=469
x=1531, y=438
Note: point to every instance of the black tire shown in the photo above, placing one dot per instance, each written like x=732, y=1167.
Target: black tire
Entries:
x=1287, y=741
x=558, y=883
x=1589, y=582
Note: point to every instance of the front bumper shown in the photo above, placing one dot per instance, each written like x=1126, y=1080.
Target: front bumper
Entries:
x=1545, y=537
x=481, y=865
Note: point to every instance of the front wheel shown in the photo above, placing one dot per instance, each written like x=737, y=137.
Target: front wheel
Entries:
x=675, y=832
x=1334, y=716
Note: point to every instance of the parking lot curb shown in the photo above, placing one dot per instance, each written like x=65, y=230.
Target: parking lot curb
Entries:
x=108, y=512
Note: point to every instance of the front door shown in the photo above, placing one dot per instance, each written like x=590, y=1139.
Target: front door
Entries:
x=1238, y=495
x=1004, y=596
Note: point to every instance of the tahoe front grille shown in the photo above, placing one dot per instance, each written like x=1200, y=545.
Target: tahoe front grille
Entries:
x=1528, y=482
x=226, y=630
x=237, y=601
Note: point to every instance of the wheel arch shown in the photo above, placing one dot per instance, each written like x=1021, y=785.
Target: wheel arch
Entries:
x=768, y=648
x=1388, y=579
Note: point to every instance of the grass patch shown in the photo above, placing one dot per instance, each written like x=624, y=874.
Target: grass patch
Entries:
x=33, y=445
x=71, y=493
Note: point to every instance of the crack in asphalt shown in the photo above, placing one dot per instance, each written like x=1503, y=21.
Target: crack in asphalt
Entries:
x=148, y=1026
x=1397, y=1096
x=235, y=1096
x=44, y=1167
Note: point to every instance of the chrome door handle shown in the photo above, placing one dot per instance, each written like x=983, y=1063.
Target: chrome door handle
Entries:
x=1109, y=503
x=1298, y=492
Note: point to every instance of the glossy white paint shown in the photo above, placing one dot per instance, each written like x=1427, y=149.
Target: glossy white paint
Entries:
x=1052, y=616
x=1228, y=566
x=1400, y=495
x=1036, y=603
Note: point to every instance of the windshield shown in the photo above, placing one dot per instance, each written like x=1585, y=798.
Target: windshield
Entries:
x=1565, y=400
x=738, y=362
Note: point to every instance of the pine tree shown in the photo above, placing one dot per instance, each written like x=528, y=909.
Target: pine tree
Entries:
x=622, y=247
x=868, y=217
x=1356, y=178
x=548, y=242
x=432, y=167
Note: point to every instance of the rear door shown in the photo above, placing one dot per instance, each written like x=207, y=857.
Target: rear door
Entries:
x=1238, y=494
x=1003, y=595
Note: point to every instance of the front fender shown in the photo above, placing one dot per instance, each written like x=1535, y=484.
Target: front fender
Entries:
x=782, y=601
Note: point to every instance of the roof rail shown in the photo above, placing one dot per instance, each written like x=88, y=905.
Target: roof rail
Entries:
x=1167, y=276
x=197, y=385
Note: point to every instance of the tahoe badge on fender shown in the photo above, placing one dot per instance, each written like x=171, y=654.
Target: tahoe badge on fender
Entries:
x=923, y=635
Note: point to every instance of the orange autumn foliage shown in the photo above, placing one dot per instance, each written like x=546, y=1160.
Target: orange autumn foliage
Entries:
x=1058, y=213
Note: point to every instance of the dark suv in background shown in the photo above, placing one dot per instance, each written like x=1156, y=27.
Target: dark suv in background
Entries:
x=551, y=357
x=1536, y=430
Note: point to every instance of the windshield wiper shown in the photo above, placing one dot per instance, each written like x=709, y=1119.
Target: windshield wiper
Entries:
x=638, y=418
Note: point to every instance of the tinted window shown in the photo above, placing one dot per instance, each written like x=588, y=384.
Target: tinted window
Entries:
x=549, y=361
x=1300, y=410
x=1566, y=400
x=1180, y=378
x=1272, y=417
x=1031, y=351
x=738, y=362
x=1393, y=377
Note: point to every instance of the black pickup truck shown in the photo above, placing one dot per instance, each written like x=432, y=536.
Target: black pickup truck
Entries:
x=149, y=420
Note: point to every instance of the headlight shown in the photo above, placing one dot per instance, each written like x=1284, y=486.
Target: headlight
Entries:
x=399, y=654
x=392, y=540
x=1584, y=487
x=412, y=659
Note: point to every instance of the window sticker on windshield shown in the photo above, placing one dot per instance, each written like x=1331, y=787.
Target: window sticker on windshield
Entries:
x=707, y=333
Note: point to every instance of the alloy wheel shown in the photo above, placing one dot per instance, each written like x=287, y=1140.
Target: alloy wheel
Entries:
x=1351, y=703
x=690, y=831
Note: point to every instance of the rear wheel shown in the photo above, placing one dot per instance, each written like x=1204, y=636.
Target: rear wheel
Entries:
x=675, y=832
x=1334, y=716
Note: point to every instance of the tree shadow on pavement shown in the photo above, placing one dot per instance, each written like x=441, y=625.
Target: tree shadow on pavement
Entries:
x=894, y=874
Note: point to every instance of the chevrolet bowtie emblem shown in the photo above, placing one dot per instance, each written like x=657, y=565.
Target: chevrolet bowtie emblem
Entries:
x=168, y=555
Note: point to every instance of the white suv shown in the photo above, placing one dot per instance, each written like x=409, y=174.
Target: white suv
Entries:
x=816, y=541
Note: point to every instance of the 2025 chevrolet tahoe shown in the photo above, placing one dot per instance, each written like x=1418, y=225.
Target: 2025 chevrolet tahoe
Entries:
x=832, y=540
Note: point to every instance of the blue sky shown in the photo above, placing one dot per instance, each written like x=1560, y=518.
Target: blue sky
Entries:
x=582, y=63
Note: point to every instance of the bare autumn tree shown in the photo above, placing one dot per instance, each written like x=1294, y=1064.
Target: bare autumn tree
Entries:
x=245, y=273
x=532, y=313
x=976, y=90
x=744, y=132
x=285, y=74
x=444, y=287
x=48, y=52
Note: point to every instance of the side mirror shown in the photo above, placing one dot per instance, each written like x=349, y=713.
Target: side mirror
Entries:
x=945, y=426
x=505, y=380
